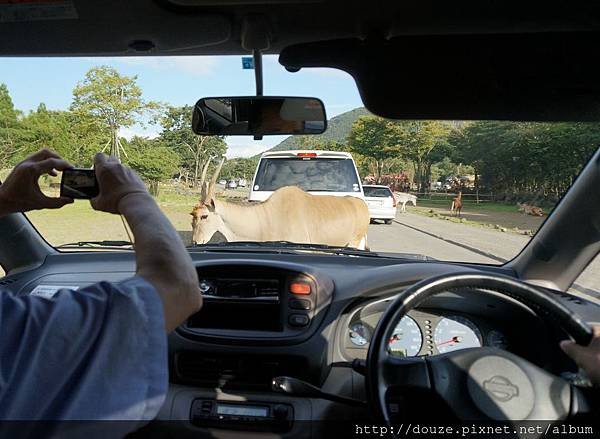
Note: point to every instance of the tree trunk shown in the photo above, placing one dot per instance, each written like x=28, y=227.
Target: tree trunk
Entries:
x=196, y=170
x=379, y=165
x=114, y=144
x=154, y=188
x=476, y=187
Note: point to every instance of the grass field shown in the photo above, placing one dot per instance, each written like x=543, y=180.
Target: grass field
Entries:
x=79, y=222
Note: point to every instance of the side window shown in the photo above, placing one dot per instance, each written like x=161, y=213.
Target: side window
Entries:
x=587, y=284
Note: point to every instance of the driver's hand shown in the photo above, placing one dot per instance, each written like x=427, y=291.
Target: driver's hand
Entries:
x=586, y=357
x=21, y=192
x=115, y=182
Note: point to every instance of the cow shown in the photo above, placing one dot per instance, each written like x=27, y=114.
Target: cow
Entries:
x=290, y=214
x=403, y=198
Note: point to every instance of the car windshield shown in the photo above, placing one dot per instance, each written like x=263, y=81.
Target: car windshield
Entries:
x=377, y=192
x=469, y=191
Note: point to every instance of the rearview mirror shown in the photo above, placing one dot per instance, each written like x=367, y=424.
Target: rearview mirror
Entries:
x=258, y=116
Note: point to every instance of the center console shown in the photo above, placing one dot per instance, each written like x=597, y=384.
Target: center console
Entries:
x=262, y=303
x=250, y=312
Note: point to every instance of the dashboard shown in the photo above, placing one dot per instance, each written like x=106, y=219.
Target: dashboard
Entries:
x=306, y=316
x=422, y=332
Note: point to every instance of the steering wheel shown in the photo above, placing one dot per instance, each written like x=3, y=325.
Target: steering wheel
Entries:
x=477, y=383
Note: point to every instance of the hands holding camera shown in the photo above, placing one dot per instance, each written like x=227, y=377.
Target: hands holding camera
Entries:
x=21, y=192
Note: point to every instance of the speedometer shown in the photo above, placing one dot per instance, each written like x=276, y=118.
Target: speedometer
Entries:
x=455, y=332
x=406, y=340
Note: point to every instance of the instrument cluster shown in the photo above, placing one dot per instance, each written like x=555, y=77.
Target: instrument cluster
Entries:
x=422, y=332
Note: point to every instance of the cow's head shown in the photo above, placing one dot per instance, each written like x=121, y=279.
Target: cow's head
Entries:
x=205, y=220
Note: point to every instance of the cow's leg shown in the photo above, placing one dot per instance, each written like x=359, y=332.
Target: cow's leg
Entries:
x=362, y=244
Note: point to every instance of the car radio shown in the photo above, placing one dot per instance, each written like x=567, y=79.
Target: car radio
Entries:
x=257, y=416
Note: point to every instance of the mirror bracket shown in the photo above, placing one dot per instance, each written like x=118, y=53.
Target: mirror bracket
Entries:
x=258, y=75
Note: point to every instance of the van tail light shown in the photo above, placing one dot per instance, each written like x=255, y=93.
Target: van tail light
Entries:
x=307, y=154
x=394, y=198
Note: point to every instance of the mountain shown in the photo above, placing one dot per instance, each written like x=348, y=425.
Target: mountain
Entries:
x=338, y=129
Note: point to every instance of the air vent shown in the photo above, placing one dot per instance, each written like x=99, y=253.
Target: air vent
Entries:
x=5, y=282
x=239, y=372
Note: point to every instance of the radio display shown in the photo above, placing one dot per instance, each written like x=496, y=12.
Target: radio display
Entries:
x=242, y=410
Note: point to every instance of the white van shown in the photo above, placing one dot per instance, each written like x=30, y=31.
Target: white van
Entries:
x=316, y=172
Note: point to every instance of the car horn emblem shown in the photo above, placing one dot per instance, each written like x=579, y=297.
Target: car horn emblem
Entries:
x=500, y=388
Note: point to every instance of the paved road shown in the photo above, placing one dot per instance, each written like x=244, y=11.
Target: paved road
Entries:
x=445, y=240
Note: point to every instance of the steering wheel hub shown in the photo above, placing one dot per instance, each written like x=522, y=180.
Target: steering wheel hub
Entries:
x=500, y=388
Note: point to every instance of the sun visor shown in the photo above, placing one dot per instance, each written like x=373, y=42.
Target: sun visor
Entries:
x=530, y=77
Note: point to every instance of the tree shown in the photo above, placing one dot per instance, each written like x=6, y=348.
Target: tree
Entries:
x=416, y=141
x=372, y=137
x=44, y=128
x=109, y=101
x=155, y=163
x=239, y=168
x=194, y=150
x=10, y=129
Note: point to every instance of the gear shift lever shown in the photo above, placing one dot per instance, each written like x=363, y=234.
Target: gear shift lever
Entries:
x=296, y=387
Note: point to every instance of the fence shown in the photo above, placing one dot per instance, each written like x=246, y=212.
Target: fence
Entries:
x=446, y=197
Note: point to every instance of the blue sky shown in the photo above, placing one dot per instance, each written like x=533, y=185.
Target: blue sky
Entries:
x=177, y=81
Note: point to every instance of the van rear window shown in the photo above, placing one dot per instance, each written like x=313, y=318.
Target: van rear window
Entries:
x=380, y=192
x=310, y=174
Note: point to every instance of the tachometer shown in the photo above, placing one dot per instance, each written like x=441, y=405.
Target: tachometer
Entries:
x=455, y=332
x=406, y=339
x=359, y=334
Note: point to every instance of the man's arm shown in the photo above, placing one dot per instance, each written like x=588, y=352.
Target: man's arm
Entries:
x=160, y=254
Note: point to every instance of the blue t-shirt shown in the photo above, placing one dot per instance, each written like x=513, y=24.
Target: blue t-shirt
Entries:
x=99, y=353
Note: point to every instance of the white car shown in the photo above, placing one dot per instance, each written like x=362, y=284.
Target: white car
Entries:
x=231, y=184
x=316, y=172
x=381, y=202
x=223, y=182
x=242, y=182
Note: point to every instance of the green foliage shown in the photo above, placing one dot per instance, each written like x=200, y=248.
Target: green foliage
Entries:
x=239, y=168
x=10, y=130
x=152, y=161
x=526, y=161
x=418, y=141
x=373, y=138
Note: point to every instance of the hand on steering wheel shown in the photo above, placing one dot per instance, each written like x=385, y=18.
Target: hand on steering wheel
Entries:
x=586, y=357
x=478, y=383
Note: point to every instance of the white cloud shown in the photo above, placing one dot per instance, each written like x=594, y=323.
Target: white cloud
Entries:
x=190, y=65
x=247, y=150
x=130, y=132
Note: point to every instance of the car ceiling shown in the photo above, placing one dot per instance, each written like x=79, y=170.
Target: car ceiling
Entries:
x=459, y=60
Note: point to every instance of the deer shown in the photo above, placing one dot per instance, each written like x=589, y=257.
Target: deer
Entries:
x=456, y=205
x=528, y=209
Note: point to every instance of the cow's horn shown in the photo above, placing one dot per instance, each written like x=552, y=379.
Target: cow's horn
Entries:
x=213, y=181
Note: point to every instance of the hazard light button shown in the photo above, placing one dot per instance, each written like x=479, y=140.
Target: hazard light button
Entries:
x=298, y=320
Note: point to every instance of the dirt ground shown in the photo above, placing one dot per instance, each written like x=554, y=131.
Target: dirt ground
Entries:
x=508, y=220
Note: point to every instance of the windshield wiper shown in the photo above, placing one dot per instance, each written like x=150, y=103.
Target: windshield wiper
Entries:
x=117, y=245
x=284, y=246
